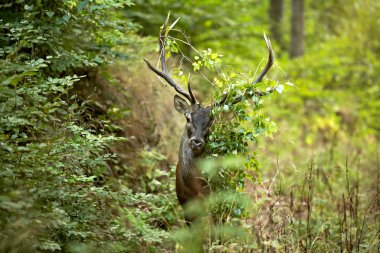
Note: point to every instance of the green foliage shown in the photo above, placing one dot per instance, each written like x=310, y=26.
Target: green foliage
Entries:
x=50, y=154
x=237, y=126
x=210, y=24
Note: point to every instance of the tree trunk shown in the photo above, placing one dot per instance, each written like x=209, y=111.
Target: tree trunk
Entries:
x=296, y=40
x=276, y=14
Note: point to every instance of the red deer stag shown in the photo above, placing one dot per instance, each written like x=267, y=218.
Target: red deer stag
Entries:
x=189, y=183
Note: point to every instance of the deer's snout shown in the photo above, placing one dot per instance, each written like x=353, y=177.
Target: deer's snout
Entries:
x=196, y=144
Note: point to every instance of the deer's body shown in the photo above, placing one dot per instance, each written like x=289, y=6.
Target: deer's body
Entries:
x=189, y=183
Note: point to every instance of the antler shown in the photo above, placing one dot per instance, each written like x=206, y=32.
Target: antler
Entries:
x=165, y=73
x=269, y=64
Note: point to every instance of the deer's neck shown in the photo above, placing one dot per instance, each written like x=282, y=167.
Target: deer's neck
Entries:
x=186, y=155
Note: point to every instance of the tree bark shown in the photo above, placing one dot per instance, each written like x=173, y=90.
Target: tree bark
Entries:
x=296, y=40
x=276, y=14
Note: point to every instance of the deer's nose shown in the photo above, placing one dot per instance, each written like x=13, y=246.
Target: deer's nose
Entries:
x=197, y=143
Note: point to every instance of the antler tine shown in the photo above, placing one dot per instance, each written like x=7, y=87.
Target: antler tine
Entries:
x=161, y=42
x=193, y=99
x=269, y=63
x=169, y=80
x=262, y=74
x=221, y=102
x=165, y=73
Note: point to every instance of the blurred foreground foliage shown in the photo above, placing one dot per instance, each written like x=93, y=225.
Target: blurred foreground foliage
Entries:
x=65, y=184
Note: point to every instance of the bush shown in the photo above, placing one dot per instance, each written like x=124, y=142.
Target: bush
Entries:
x=50, y=154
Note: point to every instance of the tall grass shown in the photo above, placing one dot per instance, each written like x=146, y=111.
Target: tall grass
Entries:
x=316, y=214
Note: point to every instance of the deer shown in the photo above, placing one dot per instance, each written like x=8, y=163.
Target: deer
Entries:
x=190, y=185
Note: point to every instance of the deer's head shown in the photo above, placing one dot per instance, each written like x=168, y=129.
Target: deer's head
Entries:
x=198, y=117
x=198, y=122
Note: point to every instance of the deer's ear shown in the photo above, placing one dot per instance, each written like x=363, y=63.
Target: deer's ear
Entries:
x=181, y=105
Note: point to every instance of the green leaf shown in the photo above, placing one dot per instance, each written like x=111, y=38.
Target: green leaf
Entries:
x=49, y=13
x=280, y=88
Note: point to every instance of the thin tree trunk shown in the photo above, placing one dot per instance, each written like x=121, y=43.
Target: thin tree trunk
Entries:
x=296, y=40
x=276, y=14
